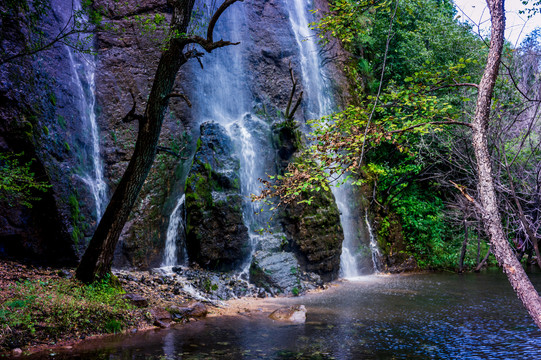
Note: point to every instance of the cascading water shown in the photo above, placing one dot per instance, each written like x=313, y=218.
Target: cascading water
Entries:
x=222, y=96
x=250, y=171
x=175, y=227
x=83, y=66
x=320, y=104
x=376, y=254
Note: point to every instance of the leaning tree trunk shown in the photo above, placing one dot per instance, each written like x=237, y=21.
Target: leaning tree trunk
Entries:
x=491, y=216
x=98, y=257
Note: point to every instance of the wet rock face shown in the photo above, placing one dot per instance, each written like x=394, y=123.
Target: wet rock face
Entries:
x=270, y=52
x=216, y=235
x=40, y=108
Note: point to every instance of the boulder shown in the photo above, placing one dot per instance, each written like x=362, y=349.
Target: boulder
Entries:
x=295, y=314
x=160, y=317
x=217, y=238
x=190, y=310
x=275, y=270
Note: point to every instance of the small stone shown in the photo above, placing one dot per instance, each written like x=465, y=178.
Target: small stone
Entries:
x=64, y=274
x=136, y=300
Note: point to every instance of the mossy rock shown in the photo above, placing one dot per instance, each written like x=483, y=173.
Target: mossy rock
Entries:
x=217, y=238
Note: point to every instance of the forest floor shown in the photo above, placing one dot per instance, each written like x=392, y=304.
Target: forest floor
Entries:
x=43, y=308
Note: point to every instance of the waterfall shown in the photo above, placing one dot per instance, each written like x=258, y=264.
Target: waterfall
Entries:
x=374, y=248
x=320, y=103
x=83, y=67
x=349, y=266
x=223, y=96
x=176, y=226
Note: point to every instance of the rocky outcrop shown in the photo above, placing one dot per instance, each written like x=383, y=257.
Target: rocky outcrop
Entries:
x=315, y=234
x=216, y=235
x=313, y=229
x=272, y=268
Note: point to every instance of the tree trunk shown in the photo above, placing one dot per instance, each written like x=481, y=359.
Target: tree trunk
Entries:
x=463, y=250
x=478, y=248
x=98, y=257
x=491, y=216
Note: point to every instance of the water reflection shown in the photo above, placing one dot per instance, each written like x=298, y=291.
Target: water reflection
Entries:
x=442, y=316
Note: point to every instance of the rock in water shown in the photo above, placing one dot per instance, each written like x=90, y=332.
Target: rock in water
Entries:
x=217, y=238
x=160, y=317
x=296, y=314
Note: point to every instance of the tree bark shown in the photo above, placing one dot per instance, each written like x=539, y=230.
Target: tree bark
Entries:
x=97, y=259
x=491, y=216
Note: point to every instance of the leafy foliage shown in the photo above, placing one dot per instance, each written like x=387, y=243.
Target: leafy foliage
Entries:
x=18, y=184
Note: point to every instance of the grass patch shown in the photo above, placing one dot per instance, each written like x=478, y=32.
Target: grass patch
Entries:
x=59, y=308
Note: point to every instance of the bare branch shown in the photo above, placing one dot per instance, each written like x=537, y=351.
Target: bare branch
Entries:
x=209, y=44
x=510, y=73
x=131, y=115
x=178, y=95
x=389, y=36
x=449, y=122
x=456, y=84
x=289, y=115
x=171, y=152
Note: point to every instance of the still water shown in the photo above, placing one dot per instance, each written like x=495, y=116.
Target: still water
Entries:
x=436, y=316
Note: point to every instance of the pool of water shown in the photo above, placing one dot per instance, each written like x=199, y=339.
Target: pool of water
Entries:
x=439, y=316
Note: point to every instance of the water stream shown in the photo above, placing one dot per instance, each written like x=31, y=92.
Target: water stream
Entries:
x=83, y=66
x=320, y=104
x=174, y=229
x=374, y=248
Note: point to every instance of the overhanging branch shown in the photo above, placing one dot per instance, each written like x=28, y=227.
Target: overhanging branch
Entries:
x=131, y=115
x=209, y=44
